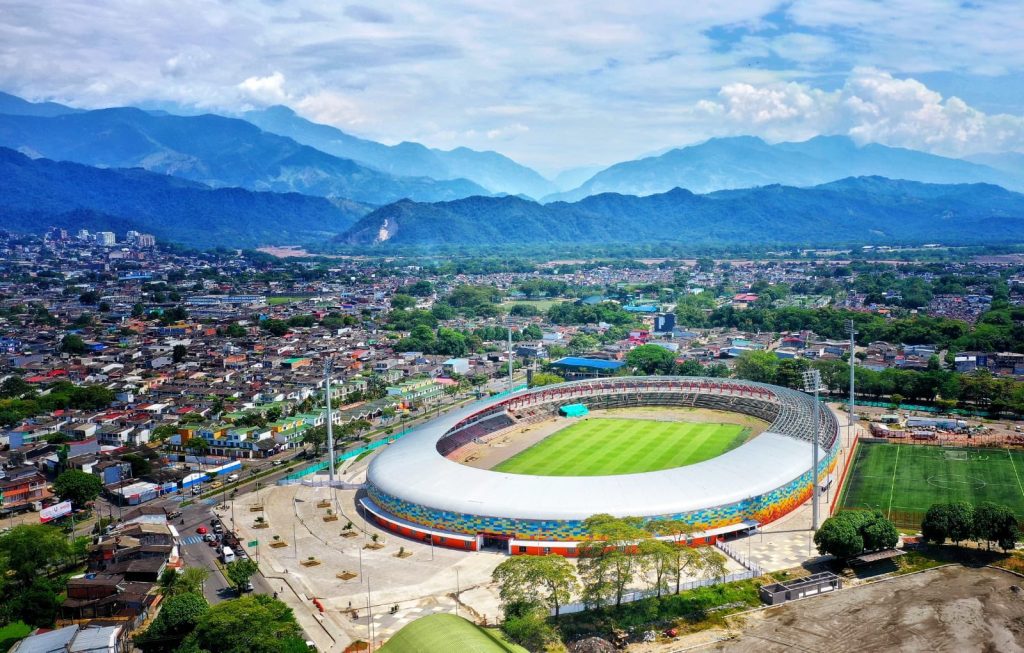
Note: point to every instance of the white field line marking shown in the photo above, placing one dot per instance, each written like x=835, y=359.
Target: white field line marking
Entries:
x=892, y=488
x=1012, y=464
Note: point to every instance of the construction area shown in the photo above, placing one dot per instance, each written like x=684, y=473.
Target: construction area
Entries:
x=952, y=608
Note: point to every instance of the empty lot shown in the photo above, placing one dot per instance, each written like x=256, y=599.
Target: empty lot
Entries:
x=953, y=609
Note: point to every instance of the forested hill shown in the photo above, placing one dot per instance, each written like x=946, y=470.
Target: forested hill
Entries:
x=854, y=210
x=39, y=193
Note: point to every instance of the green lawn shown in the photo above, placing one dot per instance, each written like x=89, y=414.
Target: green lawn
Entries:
x=897, y=478
x=446, y=632
x=274, y=301
x=12, y=633
x=600, y=447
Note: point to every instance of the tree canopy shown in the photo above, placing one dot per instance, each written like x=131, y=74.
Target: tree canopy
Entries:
x=77, y=487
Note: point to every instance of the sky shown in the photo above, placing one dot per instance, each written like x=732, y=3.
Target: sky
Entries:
x=552, y=84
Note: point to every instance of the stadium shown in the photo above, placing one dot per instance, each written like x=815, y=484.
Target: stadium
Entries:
x=545, y=460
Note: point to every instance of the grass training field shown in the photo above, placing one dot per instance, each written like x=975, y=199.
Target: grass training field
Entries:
x=599, y=447
x=897, y=478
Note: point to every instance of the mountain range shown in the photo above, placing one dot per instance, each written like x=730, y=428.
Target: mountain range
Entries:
x=853, y=210
x=748, y=161
x=493, y=171
x=213, y=150
x=277, y=178
x=38, y=193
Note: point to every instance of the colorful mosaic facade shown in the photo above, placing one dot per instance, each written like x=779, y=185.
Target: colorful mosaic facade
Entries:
x=764, y=508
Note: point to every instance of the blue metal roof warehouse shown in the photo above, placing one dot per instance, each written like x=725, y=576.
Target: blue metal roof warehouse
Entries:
x=591, y=363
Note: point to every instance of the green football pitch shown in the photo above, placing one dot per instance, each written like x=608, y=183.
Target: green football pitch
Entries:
x=600, y=447
x=896, y=478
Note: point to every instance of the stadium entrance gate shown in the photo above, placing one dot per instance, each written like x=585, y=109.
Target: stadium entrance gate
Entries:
x=494, y=542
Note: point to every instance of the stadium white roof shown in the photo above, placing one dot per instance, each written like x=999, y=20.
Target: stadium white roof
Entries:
x=413, y=470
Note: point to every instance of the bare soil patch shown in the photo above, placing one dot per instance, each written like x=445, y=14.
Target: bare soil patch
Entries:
x=953, y=608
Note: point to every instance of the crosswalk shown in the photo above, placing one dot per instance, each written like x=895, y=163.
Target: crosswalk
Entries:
x=192, y=539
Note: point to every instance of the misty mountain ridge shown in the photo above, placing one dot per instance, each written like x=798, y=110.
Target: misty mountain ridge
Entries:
x=748, y=161
x=495, y=172
x=213, y=150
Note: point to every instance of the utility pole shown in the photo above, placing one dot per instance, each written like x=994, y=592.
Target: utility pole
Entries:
x=852, y=431
x=369, y=612
x=330, y=422
x=812, y=384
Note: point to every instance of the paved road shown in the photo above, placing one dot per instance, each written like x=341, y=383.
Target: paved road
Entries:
x=200, y=554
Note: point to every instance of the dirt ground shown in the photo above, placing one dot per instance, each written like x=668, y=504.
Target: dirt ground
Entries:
x=955, y=609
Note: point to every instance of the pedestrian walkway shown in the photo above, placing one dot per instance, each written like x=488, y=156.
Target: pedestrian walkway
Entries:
x=192, y=539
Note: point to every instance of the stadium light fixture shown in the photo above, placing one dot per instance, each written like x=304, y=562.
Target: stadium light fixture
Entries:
x=812, y=384
x=328, y=367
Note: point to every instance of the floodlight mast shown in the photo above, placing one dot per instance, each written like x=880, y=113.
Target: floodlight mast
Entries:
x=812, y=384
x=328, y=364
x=510, y=359
x=853, y=362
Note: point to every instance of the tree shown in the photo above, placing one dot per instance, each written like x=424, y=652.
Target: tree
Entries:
x=190, y=580
x=607, y=562
x=685, y=558
x=840, y=537
x=178, y=617
x=179, y=353
x=197, y=445
x=995, y=523
x=960, y=524
x=315, y=437
x=77, y=487
x=658, y=560
x=545, y=378
x=521, y=578
x=713, y=563
x=526, y=624
x=402, y=302
x=30, y=549
x=851, y=532
x=420, y=289
x=73, y=344
x=250, y=624
x=757, y=366
x=582, y=343
x=38, y=603
x=935, y=525
x=235, y=330
x=240, y=571
x=651, y=359
x=140, y=466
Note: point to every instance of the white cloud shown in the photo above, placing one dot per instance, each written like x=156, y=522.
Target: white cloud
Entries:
x=550, y=84
x=872, y=106
x=507, y=131
x=264, y=90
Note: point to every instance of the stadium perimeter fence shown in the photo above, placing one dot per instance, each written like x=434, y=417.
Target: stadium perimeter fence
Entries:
x=909, y=519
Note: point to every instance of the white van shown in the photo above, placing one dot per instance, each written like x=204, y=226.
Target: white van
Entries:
x=227, y=555
x=232, y=478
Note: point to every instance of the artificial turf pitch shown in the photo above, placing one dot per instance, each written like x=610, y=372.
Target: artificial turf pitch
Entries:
x=896, y=478
x=600, y=447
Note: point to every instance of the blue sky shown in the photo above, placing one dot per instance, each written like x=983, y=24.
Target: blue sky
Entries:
x=552, y=84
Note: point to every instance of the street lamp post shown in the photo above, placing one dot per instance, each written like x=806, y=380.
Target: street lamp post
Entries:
x=812, y=384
